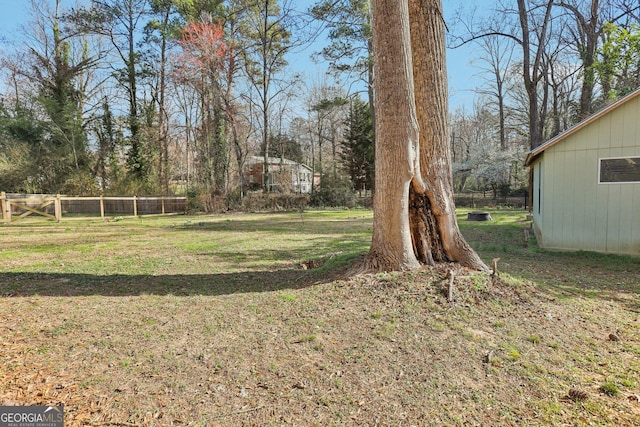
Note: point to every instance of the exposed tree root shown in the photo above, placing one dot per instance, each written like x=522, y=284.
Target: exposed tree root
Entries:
x=378, y=263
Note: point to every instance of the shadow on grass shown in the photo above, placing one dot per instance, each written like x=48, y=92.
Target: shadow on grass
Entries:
x=287, y=223
x=119, y=285
x=560, y=274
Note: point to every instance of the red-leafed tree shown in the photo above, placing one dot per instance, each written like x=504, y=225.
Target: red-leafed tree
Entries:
x=203, y=46
x=201, y=65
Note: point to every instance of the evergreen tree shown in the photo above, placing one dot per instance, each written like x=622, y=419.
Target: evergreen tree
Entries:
x=20, y=133
x=349, y=25
x=357, y=152
x=285, y=147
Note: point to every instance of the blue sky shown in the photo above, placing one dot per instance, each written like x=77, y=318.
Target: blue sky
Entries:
x=462, y=79
x=12, y=13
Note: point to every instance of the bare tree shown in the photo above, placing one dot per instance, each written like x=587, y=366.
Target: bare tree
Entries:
x=499, y=59
x=266, y=29
x=53, y=76
x=584, y=34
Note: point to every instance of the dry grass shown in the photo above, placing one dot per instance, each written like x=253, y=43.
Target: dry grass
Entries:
x=216, y=321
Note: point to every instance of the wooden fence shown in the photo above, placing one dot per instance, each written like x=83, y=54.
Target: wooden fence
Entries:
x=18, y=206
x=486, y=199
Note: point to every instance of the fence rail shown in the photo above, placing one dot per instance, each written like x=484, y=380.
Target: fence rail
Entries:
x=488, y=200
x=19, y=206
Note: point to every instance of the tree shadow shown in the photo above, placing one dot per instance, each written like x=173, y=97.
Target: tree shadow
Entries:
x=559, y=274
x=286, y=223
x=121, y=285
x=567, y=275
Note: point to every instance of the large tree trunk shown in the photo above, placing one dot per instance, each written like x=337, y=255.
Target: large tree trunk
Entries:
x=436, y=235
x=396, y=137
x=414, y=214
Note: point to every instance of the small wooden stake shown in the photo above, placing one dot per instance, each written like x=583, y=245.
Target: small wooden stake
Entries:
x=495, y=267
x=3, y=206
x=450, y=287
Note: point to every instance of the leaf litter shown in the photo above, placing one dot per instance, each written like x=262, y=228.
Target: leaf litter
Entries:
x=387, y=349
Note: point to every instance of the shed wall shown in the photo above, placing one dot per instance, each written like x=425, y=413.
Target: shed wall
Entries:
x=578, y=213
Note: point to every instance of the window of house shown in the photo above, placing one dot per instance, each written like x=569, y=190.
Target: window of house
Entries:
x=619, y=170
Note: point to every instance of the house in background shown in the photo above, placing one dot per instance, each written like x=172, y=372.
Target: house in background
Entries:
x=284, y=175
x=586, y=183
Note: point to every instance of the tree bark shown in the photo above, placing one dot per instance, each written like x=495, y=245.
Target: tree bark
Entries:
x=396, y=137
x=414, y=213
x=436, y=235
x=589, y=56
x=532, y=68
x=585, y=34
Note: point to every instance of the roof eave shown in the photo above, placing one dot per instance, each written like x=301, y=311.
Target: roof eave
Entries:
x=533, y=154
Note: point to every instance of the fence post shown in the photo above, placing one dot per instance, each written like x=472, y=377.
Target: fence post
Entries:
x=135, y=206
x=162, y=201
x=57, y=207
x=6, y=215
x=101, y=206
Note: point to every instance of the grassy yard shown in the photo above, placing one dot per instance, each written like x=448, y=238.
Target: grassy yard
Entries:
x=238, y=319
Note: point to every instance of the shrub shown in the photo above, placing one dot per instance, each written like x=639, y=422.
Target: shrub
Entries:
x=335, y=192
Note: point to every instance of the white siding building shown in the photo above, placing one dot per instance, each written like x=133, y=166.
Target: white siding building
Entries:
x=284, y=174
x=586, y=183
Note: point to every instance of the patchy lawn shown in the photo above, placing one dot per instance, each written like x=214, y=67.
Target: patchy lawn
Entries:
x=245, y=320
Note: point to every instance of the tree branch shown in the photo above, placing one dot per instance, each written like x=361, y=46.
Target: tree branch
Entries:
x=493, y=33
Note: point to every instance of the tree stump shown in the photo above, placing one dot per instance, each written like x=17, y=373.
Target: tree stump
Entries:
x=479, y=216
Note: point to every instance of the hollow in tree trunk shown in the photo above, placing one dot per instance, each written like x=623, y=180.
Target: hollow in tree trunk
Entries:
x=414, y=212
